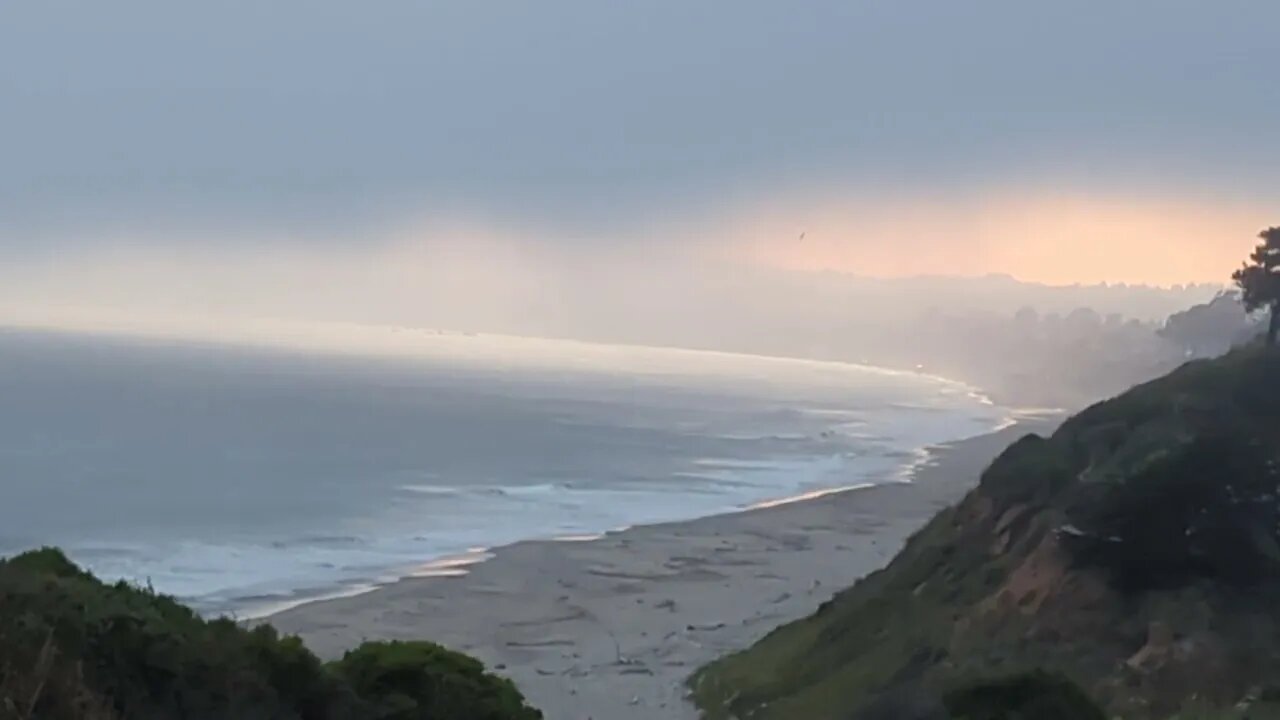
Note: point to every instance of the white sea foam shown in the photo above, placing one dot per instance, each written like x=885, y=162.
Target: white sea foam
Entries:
x=236, y=482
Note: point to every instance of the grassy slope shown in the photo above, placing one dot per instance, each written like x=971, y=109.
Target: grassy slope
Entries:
x=992, y=586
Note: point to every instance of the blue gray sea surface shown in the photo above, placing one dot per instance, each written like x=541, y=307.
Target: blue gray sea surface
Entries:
x=240, y=479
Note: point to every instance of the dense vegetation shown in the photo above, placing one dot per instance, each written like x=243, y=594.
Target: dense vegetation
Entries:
x=1135, y=553
x=1259, y=280
x=1035, y=696
x=74, y=647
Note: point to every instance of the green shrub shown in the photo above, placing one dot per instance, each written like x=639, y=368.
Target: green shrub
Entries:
x=1207, y=508
x=904, y=703
x=1030, y=696
x=72, y=647
x=423, y=681
x=46, y=561
x=1029, y=470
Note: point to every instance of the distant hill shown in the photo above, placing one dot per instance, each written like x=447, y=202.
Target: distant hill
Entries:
x=1135, y=553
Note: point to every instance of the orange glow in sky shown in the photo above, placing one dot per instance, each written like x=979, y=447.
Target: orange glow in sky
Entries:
x=1051, y=239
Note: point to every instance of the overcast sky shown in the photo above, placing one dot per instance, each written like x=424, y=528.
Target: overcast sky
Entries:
x=991, y=135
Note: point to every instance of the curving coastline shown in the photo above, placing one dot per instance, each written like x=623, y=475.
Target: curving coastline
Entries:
x=612, y=627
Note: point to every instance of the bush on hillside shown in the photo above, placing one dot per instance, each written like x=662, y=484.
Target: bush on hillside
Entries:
x=1027, y=471
x=1029, y=696
x=72, y=647
x=409, y=680
x=904, y=703
x=1207, y=508
x=1035, y=695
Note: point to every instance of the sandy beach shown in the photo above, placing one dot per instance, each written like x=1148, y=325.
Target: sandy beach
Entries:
x=609, y=629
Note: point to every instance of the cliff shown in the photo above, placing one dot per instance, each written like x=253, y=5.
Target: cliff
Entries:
x=1135, y=552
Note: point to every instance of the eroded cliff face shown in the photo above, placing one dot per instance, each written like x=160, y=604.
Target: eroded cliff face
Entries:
x=1135, y=552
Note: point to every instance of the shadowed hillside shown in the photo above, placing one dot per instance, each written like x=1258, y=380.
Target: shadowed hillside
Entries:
x=1135, y=552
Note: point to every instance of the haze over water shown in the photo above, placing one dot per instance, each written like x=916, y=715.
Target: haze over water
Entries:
x=241, y=478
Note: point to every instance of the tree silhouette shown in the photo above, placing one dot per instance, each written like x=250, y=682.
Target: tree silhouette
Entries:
x=1259, y=280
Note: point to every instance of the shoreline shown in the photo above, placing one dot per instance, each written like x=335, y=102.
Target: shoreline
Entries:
x=460, y=563
x=610, y=627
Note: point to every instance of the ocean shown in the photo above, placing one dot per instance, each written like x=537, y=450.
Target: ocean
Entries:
x=244, y=478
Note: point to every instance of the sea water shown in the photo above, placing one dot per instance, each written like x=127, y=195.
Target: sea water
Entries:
x=242, y=478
